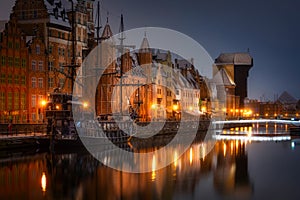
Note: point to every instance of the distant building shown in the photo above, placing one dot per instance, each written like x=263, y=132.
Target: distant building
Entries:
x=288, y=104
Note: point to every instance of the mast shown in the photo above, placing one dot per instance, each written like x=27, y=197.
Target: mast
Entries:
x=121, y=38
x=99, y=25
x=73, y=67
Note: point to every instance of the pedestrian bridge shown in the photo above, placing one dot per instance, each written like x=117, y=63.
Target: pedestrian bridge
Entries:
x=258, y=121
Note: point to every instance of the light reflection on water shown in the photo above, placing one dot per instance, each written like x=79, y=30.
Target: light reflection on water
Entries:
x=233, y=169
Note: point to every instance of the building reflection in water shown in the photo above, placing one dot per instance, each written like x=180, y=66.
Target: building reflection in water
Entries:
x=80, y=176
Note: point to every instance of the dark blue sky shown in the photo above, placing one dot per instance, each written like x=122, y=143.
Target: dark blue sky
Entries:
x=269, y=28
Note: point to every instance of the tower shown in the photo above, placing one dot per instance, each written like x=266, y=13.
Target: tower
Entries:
x=237, y=66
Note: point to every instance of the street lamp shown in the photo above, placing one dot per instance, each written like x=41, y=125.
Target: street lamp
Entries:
x=85, y=104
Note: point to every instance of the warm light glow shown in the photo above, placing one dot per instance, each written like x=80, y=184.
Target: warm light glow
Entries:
x=249, y=134
x=153, y=106
x=175, y=107
x=85, y=104
x=190, y=108
x=203, y=151
x=175, y=159
x=266, y=114
x=44, y=182
x=153, y=175
x=191, y=156
x=57, y=107
x=237, y=110
x=224, y=149
x=203, y=109
x=43, y=102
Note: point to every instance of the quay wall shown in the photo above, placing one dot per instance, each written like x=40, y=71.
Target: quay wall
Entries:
x=23, y=128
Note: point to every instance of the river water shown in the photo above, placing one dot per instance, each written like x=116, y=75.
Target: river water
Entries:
x=233, y=169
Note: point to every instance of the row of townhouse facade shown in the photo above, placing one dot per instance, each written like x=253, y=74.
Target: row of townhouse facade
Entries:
x=155, y=85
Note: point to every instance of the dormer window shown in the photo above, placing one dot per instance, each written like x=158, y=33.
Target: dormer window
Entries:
x=63, y=14
x=55, y=11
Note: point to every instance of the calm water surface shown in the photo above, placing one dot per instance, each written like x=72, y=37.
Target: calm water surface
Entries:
x=232, y=170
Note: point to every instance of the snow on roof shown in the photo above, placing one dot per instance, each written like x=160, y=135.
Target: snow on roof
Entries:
x=182, y=64
x=57, y=10
x=59, y=21
x=161, y=56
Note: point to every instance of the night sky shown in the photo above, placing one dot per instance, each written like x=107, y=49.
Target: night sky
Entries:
x=269, y=28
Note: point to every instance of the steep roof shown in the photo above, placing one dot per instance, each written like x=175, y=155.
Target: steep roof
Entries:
x=234, y=58
x=107, y=33
x=145, y=47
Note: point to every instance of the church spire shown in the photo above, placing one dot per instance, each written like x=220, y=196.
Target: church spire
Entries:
x=145, y=47
x=107, y=33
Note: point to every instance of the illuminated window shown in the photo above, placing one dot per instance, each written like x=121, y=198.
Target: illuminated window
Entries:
x=33, y=82
x=50, y=66
x=33, y=100
x=33, y=65
x=40, y=82
x=41, y=66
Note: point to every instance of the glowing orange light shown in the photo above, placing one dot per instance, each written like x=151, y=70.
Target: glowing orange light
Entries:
x=44, y=182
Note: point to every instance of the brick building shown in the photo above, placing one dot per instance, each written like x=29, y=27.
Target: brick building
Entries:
x=13, y=74
x=36, y=52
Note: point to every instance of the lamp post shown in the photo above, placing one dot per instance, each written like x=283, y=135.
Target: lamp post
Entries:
x=43, y=104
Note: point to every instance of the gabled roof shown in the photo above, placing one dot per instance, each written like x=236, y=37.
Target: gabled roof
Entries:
x=234, y=58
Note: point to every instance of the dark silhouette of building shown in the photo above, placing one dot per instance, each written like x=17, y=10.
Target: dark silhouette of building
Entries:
x=237, y=66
